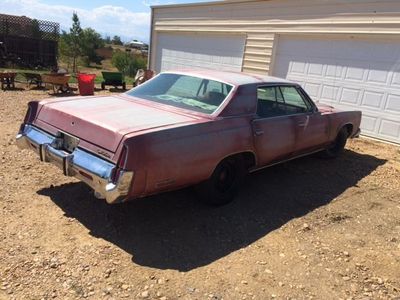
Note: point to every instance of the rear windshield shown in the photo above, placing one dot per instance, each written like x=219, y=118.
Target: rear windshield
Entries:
x=188, y=92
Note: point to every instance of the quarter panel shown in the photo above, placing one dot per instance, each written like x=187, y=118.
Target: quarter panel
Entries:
x=179, y=157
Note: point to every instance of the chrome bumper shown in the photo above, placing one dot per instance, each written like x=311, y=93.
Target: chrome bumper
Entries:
x=92, y=170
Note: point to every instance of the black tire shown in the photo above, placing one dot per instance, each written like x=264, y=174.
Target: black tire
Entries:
x=336, y=148
x=224, y=183
x=103, y=86
x=124, y=86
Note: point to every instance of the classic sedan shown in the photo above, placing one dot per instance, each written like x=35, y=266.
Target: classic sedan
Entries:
x=205, y=128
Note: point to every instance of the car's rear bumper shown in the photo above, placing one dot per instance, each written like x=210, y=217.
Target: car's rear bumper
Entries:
x=89, y=168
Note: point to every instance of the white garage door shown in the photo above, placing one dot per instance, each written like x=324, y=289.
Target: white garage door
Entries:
x=349, y=74
x=199, y=51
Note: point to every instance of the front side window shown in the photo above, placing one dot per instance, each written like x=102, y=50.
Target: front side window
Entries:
x=280, y=100
x=183, y=91
x=293, y=100
x=270, y=102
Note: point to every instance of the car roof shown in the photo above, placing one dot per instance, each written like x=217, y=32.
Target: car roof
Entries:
x=230, y=77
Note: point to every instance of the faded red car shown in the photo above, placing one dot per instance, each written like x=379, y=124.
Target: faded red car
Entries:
x=203, y=128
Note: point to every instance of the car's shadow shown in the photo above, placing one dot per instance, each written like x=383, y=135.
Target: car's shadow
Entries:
x=174, y=231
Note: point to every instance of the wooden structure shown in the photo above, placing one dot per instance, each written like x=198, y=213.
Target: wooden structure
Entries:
x=28, y=42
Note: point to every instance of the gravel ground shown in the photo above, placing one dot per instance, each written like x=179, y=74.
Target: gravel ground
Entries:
x=307, y=229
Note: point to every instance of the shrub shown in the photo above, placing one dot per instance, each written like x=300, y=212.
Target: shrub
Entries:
x=127, y=64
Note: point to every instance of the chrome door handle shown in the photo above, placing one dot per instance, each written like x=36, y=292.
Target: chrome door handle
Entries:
x=259, y=132
x=305, y=123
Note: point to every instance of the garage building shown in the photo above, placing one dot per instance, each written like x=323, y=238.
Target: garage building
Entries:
x=343, y=52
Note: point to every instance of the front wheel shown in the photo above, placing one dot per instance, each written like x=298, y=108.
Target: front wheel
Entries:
x=336, y=148
x=224, y=183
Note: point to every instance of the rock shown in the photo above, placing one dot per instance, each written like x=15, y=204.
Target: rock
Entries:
x=268, y=271
x=145, y=294
x=107, y=273
x=346, y=278
x=244, y=282
x=281, y=283
x=124, y=286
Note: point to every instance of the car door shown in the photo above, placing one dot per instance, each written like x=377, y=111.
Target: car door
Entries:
x=312, y=128
x=273, y=130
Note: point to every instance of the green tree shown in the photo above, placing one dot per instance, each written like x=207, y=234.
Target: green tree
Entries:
x=80, y=44
x=107, y=39
x=117, y=40
x=64, y=50
x=89, y=42
x=75, y=35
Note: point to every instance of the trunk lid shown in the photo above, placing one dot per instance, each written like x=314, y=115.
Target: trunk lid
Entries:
x=104, y=121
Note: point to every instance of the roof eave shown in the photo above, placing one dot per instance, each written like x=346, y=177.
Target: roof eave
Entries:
x=218, y=2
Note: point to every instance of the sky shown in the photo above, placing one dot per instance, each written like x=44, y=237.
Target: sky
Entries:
x=129, y=19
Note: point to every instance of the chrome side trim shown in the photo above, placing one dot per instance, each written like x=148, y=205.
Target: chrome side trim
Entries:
x=92, y=170
x=255, y=169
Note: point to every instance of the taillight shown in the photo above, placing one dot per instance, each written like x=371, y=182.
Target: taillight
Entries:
x=31, y=112
x=120, y=164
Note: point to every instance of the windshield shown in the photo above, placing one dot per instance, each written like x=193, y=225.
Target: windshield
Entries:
x=188, y=92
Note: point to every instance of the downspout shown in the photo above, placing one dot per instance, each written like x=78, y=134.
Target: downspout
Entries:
x=149, y=62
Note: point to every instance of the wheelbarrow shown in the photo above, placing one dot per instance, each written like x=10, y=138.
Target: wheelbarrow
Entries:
x=115, y=79
x=8, y=79
x=33, y=78
x=59, y=82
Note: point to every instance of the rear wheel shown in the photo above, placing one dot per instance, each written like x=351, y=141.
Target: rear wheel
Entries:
x=103, y=86
x=224, y=183
x=336, y=148
x=124, y=86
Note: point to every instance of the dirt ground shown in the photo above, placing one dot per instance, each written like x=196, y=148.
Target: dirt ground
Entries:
x=307, y=229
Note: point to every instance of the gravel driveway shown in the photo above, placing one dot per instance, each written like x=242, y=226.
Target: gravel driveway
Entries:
x=310, y=228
